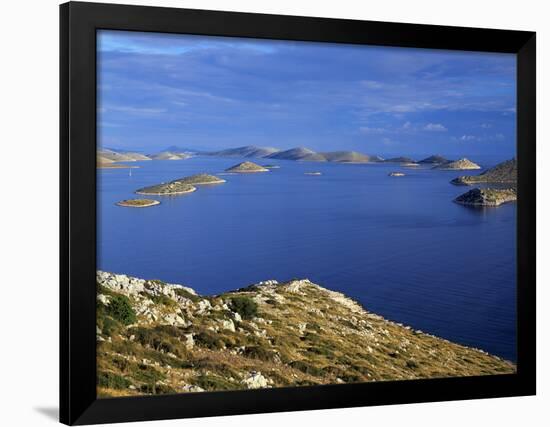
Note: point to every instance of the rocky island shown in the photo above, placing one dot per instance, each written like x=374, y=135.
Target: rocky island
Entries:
x=503, y=173
x=490, y=197
x=461, y=164
x=138, y=203
x=247, y=167
x=155, y=338
x=201, y=179
x=172, y=188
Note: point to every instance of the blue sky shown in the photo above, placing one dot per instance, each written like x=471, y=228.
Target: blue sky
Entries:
x=158, y=90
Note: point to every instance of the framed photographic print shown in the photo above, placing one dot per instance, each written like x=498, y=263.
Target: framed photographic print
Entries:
x=268, y=213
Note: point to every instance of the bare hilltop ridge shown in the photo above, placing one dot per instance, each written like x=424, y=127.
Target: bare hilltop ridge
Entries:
x=156, y=338
x=461, y=164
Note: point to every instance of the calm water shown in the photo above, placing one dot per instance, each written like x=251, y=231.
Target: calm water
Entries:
x=398, y=245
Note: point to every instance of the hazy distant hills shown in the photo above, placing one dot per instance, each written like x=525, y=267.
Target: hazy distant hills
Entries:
x=109, y=156
x=105, y=156
x=299, y=153
x=247, y=151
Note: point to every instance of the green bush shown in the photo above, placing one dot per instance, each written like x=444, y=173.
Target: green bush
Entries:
x=245, y=306
x=209, y=340
x=121, y=309
x=110, y=380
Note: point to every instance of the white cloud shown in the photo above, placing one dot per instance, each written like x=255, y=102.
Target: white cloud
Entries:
x=435, y=127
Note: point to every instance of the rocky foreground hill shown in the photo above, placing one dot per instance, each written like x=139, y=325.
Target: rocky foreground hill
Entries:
x=154, y=338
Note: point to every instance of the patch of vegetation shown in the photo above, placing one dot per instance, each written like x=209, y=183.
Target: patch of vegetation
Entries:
x=186, y=294
x=111, y=380
x=209, y=340
x=163, y=299
x=120, y=308
x=154, y=388
x=214, y=382
x=260, y=353
x=245, y=306
x=146, y=374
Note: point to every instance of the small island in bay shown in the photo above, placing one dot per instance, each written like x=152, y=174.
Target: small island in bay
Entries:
x=200, y=179
x=138, y=203
x=167, y=189
x=461, y=164
x=396, y=174
x=159, y=338
x=247, y=167
x=503, y=173
x=490, y=197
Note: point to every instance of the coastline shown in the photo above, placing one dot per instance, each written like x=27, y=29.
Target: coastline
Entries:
x=278, y=335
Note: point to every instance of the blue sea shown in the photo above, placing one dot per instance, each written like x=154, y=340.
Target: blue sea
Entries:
x=399, y=245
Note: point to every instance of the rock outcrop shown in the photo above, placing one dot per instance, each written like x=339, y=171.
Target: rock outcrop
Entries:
x=155, y=337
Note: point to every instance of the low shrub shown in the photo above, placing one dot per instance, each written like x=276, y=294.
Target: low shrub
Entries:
x=121, y=309
x=245, y=306
x=111, y=380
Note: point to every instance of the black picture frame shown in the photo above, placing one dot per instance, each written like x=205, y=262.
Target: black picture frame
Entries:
x=78, y=25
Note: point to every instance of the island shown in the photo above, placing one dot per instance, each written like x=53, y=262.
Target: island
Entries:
x=503, y=173
x=138, y=203
x=461, y=164
x=159, y=338
x=247, y=167
x=490, y=197
x=167, y=189
x=396, y=174
x=200, y=179
x=435, y=159
x=401, y=159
